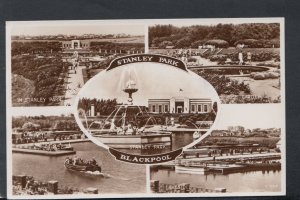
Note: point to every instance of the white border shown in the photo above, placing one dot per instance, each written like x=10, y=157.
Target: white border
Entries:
x=146, y=22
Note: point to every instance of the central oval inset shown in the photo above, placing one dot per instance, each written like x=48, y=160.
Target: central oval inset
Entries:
x=146, y=108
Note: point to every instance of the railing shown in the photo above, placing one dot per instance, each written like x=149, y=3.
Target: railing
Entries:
x=158, y=187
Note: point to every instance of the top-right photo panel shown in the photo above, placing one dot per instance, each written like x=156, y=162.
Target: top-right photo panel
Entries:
x=243, y=61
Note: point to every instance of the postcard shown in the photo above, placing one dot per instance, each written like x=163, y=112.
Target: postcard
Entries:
x=145, y=108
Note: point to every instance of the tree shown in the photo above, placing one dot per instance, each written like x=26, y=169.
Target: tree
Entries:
x=30, y=126
x=164, y=44
x=227, y=32
x=218, y=43
x=184, y=42
x=215, y=107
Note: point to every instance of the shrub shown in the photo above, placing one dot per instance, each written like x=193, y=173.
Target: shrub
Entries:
x=259, y=76
x=183, y=42
x=277, y=150
x=224, y=85
x=164, y=44
x=251, y=43
x=198, y=43
x=218, y=58
x=191, y=59
x=218, y=43
x=264, y=75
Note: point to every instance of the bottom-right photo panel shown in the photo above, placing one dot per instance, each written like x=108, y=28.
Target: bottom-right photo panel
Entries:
x=244, y=153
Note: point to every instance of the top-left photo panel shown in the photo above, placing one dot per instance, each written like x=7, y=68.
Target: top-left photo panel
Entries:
x=49, y=62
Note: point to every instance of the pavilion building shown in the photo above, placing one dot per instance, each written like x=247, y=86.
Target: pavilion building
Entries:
x=76, y=45
x=180, y=105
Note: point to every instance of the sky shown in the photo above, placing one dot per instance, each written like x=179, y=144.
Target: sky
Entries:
x=212, y=21
x=132, y=27
x=79, y=29
x=251, y=116
x=153, y=80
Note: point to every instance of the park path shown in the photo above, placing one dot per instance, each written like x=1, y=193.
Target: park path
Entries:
x=74, y=83
x=268, y=87
x=51, y=141
x=204, y=61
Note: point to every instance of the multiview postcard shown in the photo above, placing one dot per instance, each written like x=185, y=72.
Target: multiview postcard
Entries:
x=145, y=108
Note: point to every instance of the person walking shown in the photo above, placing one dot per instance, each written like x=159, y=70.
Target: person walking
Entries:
x=249, y=57
x=240, y=56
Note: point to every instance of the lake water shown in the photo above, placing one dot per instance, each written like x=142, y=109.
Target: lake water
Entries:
x=121, y=177
x=256, y=181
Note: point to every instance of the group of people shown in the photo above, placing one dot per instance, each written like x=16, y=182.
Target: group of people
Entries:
x=29, y=137
x=80, y=161
x=240, y=57
x=129, y=129
x=184, y=53
x=49, y=147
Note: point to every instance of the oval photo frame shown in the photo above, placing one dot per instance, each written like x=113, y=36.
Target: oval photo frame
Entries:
x=183, y=103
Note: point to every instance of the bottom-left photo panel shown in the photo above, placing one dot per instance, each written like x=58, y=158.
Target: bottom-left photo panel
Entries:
x=51, y=156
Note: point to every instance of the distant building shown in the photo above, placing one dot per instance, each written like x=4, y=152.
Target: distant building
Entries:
x=170, y=47
x=220, y=133
x=236, y=130
x=76, y=45
x=240, y=46
x=180, y=105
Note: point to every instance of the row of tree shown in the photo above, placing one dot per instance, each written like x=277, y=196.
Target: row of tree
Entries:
x=18, y=48
x=45, y=122
x=42, y=47
x=124, y=47
x=102, y=106
x=222, y=34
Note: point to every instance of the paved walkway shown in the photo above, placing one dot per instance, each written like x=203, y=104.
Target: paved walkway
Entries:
x=260, y=88
x=74, y=83
x=204, y=61
x=53, y=142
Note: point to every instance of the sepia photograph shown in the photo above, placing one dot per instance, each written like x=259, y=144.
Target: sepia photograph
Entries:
x=125, y=109
x=146, y=108
x=51, y=156
x=239, y=156
x=50, y=63
x=241, y=60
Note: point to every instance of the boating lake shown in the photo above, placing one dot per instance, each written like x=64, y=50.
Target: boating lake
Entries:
x=120, y=177
x=255, y=181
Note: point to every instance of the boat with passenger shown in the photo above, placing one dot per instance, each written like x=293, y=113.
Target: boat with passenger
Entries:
x=78, y=164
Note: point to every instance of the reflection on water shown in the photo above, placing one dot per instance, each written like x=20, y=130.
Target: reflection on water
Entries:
x=179, y=140
x=256, y=181
x=121, y=177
